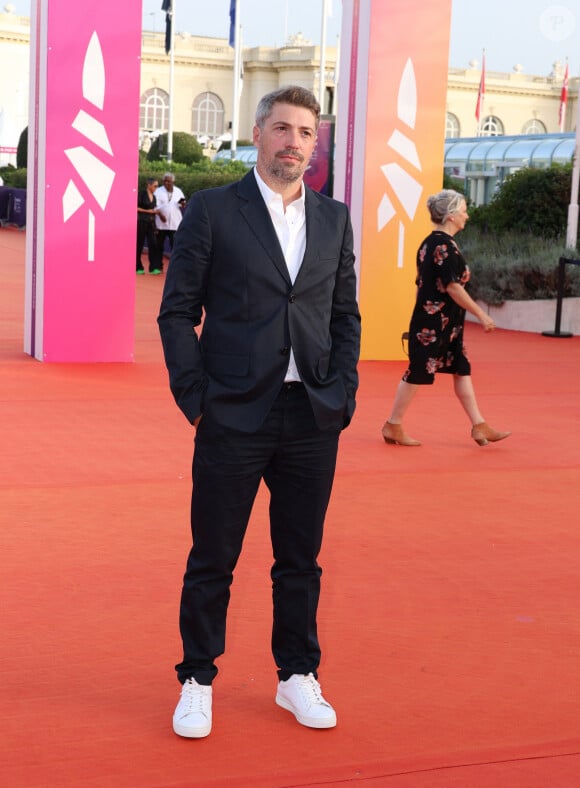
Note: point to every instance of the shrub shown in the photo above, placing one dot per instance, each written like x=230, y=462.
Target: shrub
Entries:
x=186, y=149
x=532, y=200
x=227, y=145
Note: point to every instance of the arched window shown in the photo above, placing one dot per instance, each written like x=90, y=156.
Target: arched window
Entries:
x=207, y=116
x=452, y=128
x=534, y=126
x=154, y=110
x=491, y=127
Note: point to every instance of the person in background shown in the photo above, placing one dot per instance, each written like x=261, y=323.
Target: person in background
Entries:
x=171, y=203
x=268, y=385
x=146, y=212
x=436, y=330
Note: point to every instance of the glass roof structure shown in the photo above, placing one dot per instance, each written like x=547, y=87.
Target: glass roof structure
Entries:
x=483, y=163
x=490, y=153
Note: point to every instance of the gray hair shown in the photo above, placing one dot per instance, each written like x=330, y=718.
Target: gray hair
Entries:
x=169, y=175
x=443, y=204
x=293, y=94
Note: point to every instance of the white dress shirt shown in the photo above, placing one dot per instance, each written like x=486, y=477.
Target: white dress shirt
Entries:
x=290, y=226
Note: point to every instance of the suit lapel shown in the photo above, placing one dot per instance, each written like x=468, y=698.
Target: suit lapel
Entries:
x=255, y=212
x=313, y=231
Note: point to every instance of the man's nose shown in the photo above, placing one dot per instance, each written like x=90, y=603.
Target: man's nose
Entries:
x=293, y=138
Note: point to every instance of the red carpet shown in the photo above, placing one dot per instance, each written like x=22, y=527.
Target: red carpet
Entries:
x=450, y=615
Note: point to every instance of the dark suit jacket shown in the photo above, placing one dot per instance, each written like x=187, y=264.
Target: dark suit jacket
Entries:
x=228, y=269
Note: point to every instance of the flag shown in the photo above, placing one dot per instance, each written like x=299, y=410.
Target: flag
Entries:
x=232, y=23
x=481, y=92
x=166, y=6
x=563, y=100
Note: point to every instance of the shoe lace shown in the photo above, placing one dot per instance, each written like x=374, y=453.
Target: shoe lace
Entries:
x=195, y=697
x=311, y=691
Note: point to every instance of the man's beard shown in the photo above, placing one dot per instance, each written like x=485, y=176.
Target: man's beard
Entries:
x=284, y=172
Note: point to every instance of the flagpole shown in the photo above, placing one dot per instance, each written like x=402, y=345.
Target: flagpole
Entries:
x=572, y=229
x=237, y=70
x=480, y=96
x=171, y=81
x=322, y=82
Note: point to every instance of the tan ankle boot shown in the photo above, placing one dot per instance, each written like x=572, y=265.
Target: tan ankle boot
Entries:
x=483, y=434
x=393, y=433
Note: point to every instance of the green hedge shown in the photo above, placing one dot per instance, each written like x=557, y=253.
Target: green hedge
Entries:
x=204, y=175
x=189, y=179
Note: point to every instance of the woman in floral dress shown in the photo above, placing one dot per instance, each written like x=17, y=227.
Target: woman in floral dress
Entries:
x=436, y=330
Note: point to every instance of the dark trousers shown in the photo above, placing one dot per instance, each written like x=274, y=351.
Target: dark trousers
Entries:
x=297, y=462
x=161, y=236
x=146, y=230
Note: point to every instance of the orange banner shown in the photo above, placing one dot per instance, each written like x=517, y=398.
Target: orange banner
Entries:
x=403, y=46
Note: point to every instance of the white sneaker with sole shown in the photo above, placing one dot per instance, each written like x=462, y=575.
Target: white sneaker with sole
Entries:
x=192, y=716
x=303, y=697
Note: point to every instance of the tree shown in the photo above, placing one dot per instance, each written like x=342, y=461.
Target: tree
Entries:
x=22, y=150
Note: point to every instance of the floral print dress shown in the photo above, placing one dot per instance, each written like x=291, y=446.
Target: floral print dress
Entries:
x=436, y=329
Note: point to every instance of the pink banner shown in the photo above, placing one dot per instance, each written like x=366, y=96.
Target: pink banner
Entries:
x=81, y=261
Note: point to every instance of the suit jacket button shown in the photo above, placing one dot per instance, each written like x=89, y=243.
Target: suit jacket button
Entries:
x=285, y=351
x=292, y=298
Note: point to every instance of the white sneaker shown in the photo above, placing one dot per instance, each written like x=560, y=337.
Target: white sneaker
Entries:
x=192, y=716
x=303, y=697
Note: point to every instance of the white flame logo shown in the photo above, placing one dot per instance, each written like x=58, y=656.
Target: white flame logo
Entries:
x=405, y=187
x=95, y=174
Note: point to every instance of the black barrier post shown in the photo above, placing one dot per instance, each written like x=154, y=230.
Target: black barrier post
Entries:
x=561, y=277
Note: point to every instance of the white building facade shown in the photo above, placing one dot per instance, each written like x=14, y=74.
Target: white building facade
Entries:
x=515, y=103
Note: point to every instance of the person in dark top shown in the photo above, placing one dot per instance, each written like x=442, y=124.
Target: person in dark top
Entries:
x=437, y=322
x=146, y=212
x=269, y=384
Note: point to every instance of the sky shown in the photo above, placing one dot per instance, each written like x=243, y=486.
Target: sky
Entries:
x=530, y=33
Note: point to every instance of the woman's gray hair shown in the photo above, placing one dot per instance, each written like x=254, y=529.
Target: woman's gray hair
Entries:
x=443, y=204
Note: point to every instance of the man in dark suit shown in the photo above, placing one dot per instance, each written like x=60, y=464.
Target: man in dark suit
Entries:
x=269, y=385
